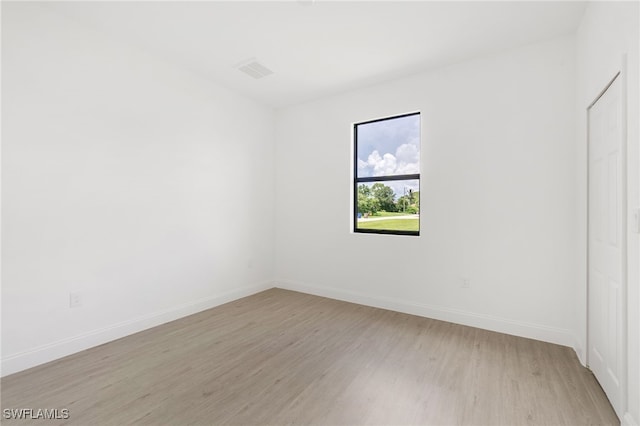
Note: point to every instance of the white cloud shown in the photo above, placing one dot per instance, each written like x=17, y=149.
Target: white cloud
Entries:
x=363, y=167
x=406, y=161
x=381, y=166
x=408, y=153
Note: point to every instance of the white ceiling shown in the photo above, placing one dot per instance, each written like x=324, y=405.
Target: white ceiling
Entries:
x=321, y=48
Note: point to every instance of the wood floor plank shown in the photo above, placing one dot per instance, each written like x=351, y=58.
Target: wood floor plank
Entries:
x=281, y=357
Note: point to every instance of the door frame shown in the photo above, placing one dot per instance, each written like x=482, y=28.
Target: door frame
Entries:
x=622, y=76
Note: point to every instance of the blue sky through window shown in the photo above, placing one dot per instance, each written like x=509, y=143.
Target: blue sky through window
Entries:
x=390, y=147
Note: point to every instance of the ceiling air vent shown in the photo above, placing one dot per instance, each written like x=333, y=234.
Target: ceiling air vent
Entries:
x=254, y=68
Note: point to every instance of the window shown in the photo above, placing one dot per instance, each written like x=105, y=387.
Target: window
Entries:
x=386, y=187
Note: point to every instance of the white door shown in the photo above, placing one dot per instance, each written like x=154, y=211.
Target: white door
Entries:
x=606, y=243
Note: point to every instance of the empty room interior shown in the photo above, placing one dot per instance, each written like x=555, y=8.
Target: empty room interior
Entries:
x=320, y=212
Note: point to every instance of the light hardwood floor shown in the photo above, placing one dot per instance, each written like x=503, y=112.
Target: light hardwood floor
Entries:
x=281, y=357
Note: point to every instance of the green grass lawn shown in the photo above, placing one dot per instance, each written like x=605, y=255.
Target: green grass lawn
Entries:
x=386, y=214
x=391, y=224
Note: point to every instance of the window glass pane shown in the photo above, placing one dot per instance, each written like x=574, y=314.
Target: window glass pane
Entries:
x=389, y=147
x=389, y=206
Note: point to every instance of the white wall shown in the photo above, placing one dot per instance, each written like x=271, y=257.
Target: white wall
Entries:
x=498, y=196
x=607, y=31
x=142, y=187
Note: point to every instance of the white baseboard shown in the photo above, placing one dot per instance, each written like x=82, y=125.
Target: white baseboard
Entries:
x=52, y=351
x=517, y=328
x=628, y=420
x=578, y=346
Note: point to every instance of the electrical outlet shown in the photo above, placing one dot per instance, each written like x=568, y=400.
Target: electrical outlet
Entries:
x=75, y=300
x=465, y=283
